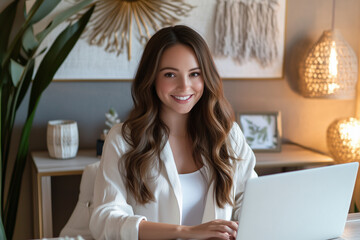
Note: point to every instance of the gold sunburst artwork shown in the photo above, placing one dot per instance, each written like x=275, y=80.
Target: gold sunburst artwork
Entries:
x=113, y=22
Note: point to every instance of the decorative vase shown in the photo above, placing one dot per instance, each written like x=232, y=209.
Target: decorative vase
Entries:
x=62, y=139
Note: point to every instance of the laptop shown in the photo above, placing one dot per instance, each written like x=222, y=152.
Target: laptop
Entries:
x=306, y=204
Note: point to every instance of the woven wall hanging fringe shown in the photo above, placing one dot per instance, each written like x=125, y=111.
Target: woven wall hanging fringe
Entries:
x=247, y=29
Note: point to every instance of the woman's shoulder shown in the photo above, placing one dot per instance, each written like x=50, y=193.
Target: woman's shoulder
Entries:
x=237, y=139
x=235, y=132
x=115, y=135
x=115, y=131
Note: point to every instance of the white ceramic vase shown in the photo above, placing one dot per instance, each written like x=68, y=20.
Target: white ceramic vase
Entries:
x=62, y=139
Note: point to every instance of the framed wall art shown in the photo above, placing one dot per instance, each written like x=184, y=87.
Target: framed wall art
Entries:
x=247, y=38
x=262, y=130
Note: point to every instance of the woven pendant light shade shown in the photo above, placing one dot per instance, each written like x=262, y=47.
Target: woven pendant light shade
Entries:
x=343, y=140
x=330, y=68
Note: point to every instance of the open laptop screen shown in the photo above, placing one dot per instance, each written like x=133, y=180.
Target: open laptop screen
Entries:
x=305, y=204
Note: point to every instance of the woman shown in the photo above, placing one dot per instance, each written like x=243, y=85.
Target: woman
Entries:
x=176, y=168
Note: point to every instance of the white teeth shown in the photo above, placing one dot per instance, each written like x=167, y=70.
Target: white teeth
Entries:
x=182, y=98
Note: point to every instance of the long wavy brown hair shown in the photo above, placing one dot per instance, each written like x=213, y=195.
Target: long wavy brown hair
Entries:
x=209, y=121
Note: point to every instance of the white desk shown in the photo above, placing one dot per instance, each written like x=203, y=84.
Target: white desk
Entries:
x=45, y=167
x=351, y=231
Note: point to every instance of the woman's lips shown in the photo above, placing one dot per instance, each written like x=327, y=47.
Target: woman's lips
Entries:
x=182, y=99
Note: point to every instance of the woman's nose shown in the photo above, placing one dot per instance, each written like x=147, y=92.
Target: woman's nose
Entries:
x=184, y=82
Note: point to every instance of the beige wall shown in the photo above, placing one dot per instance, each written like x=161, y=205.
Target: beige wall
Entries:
x=304, y=120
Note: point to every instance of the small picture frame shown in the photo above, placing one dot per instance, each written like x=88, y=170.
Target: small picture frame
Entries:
x=262, y=130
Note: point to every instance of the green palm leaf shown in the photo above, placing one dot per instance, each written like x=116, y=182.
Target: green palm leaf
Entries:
x=55, y=57
x=61, y=17
x=13, y=51
x=47, y=69
x=8, y=15
x=45, y=8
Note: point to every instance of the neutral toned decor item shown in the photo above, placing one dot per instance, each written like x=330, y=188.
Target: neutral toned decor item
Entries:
x=330, y=69
x=112, y=24
x=62, y=139
x=343, y=140
x=247, y=29
x=262, y=130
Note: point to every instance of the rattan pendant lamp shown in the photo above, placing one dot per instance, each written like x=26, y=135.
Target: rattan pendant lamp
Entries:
x=330, y=68
x=343, y=135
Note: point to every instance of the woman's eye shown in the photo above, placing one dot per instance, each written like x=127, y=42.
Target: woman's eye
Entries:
x=195, y=74
x=169, y=75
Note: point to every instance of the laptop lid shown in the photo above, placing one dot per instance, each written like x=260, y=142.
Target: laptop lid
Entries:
x=307, y=204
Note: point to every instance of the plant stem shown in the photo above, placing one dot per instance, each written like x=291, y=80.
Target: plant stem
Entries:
x=1, y=159
x=12, y=199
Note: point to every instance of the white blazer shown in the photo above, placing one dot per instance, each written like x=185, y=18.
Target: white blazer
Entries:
x=116, y=214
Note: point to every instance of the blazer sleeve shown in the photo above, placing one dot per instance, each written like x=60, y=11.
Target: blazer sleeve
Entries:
x=113, y=217
x=244, y=167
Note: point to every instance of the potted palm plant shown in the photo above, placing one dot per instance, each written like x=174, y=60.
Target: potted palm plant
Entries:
x=18, y=76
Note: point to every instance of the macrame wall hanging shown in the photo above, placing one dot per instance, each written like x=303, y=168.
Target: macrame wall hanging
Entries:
x=112, y=23
x=247, y=29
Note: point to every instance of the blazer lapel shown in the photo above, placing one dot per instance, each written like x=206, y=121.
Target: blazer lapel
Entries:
x=212, y=210
x=210, y=204
x=173, y=177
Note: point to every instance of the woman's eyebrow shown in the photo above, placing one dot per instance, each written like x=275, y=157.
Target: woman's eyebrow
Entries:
x=168, y=68
x=196, y=68
x=175, y=69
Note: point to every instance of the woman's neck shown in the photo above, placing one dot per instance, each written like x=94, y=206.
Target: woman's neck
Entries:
x=177, y=124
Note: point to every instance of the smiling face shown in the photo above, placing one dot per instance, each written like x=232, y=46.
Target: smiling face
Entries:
x=179, y=83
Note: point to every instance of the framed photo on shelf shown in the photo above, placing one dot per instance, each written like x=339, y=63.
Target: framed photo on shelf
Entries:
x=262, y=130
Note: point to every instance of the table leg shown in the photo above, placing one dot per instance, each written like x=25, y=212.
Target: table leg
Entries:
x=46, y=206
x=36, y=203
x=42, y=206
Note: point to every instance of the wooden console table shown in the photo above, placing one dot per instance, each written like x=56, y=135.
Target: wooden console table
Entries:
x=45, y=167
x=292, y=155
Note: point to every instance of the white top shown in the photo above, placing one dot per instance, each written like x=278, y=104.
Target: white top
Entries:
x=117, y=215
x=193, y=188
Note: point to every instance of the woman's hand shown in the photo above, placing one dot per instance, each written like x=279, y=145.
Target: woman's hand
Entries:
x=216, y=229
